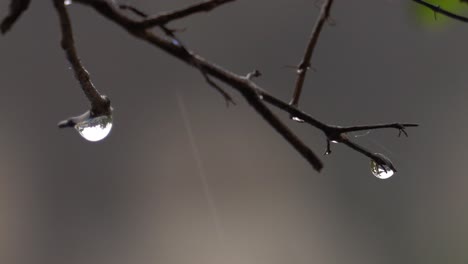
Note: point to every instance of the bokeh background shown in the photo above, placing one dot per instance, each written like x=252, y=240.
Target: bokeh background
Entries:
x=183, y=179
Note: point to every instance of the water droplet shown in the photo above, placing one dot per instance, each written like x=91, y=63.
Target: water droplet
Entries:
x=334, y=141
x=297, y=119
x=95, y=129
x=382, y=171
x=68, y=2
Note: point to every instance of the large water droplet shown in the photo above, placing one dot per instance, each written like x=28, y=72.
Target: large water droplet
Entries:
x=382, y=171
x=95, y=129
x=68, y=2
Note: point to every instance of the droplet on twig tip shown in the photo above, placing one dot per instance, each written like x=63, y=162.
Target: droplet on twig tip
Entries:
x=95, y=129
x=382, y=169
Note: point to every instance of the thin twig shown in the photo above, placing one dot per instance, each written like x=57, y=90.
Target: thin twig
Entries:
x=438, y=9
x=17, y=7
x=100, y=105
x=398, y=126
x=164, y=18
x=313, y=40
x=253, y=94
x=227, y=97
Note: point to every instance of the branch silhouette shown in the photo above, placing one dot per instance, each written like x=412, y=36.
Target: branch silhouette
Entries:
x=256, y=96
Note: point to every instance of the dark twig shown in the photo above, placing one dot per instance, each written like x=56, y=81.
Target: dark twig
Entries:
x=313, y=40
x=250, y=91
x=438, y=9
x=100, y=105
x=164, y=18
x=17, y=7
x=400, y=127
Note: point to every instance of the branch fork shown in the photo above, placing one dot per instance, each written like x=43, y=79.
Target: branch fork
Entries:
x=256, y=96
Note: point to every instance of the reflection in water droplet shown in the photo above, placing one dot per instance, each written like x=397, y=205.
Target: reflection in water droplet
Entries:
x=297, y=119
x=95, y=129
x=334, y=141
x=383, y=171
x=68, y=2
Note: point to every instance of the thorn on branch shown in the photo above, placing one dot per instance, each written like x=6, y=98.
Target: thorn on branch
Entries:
x=401, y=130
x=253, y=74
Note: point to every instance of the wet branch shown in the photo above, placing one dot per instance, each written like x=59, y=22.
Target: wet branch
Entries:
x=253, y=94
x=304, y=65
x=442, y=11
x=99, y=104
x=164, y=18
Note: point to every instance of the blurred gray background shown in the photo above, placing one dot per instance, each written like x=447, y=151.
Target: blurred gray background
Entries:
x=242, y=195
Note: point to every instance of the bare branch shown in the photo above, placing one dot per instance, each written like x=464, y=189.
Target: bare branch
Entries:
x=17, y=7
x=99, y=104
x=313, y=40
x=252, y=93
x=164, y=18
x=442, y=11
x=400, y=127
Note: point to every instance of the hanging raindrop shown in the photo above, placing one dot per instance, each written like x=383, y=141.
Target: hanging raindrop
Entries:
x=382, y=171
x=95, y=129
x=68, y=2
